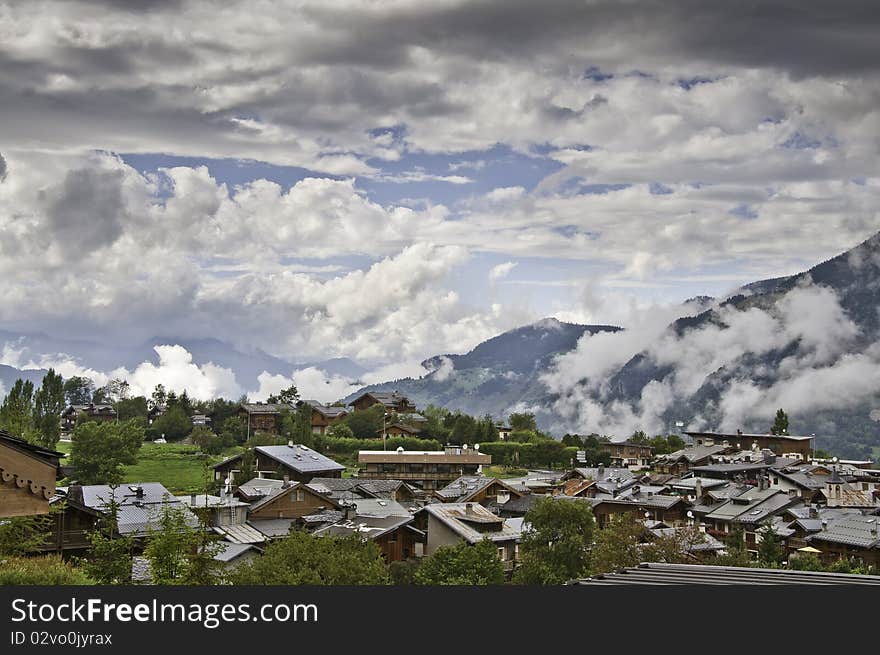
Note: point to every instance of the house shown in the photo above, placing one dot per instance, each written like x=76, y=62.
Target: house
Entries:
x=216, y=511
x=231, y=555
x=681, y=461
x=426, y=469
x=748, y=511
x=780, y=444
x=290, y=501
x=396, y=536
x=840, y=493
x=849, y=536
x=394, y=402
x=27, y=476
x=323, y=416
x=671, y=510
x=503, y=431
x=354, y=488
x=95, y=412
x=399, y=430
x=296, y=461
x=477, y=489
x=263, y=417
x=448, y=524
x=139, y=505
x=626, y=454
x=200, y=420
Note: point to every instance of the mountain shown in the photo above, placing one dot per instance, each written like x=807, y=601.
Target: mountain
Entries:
x=498, y=374
x=809, y=343
x=9, y=374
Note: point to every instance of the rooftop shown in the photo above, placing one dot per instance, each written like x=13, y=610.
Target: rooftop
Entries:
x=697, y=574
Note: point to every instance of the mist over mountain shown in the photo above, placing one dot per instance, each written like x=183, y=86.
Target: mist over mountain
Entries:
x=809, y=343
x=499, y=375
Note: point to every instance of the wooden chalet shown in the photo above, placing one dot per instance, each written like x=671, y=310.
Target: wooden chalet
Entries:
x=424, y=468
x=393, y=402
x=94, y=412
x=27, y=476
x=299, y=463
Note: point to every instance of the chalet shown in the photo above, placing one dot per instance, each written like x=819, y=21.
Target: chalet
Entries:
x=598, y=473
x=298, y=462
x=93, y=411
x=27, y=476
x=290, y=501
x=354, y=488
x=849, y=536
x=671, y=510
x=808, y=520
x=200, y=420
x=477, y=489
x=72, y=524
x=503, y=432
x=323, y=416
x=748, y=511
x=396, y=536
x=399, y=430
x=780, y=444
x=448, y=524
x=216, y=511
x=838, y=492
x=393, y=402
x=682, y=461
x=263, y=417
x=427, y=469
x=139, y=505
x=627, y=454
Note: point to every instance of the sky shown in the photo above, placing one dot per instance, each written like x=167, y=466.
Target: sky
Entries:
x=387, y=181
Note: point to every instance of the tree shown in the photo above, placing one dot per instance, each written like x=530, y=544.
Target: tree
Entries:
x=179, y=553
x=523, y=421
x=173, y=423
x=109, y=557
x=48, y=405
x=204, y=438
x=233, y=430
x=618, y=544
x=464, y=429
x=17, y=409
x=304, y=559
x=246, y=468
x=367, y=424
x=20, y=535
x=129, y=408
x=285, y=397
x=770, y=550
x=462, y=564
x=340, y=431
x=159, y=397
x=100, y=450
x=556, y=546
x=780, y=423
x=737, y=554
x=78, y=390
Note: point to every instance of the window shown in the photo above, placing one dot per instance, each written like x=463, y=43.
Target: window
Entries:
x=300, y=496
x=501, y=553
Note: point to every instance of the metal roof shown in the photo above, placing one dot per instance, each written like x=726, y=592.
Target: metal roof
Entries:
x=230, y=551
x=697, y=574
x=462, y=518
x=300, y=458
x=861, y=531
x=240, y=534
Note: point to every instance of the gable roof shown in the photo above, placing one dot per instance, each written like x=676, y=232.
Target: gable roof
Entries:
x=467, y=486
x=462, y=518
x=366, y=527
x=296, y=457
x=860, y=531
x=387, y=398
x=279, y=492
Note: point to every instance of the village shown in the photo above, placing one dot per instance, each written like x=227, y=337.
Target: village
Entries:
x=718, y=504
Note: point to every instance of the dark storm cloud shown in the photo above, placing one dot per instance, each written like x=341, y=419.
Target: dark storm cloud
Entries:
x=803, y=38
x=2, y=168
x=87, y=210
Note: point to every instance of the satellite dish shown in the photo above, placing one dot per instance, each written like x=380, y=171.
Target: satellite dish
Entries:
x=476, y=446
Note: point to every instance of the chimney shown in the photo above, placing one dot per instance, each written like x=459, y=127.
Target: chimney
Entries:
x=350, y=512
x=600, y=472
x=469, y=509
x=814, y=512
x=698, y=489
x=286, y=481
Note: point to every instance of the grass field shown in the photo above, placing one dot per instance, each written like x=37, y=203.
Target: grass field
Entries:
x=180, y=468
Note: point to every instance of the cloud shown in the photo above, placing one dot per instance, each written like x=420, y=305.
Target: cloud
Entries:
x=312, y=384
x=816, y=344
x=177, y=372
x=501, y=271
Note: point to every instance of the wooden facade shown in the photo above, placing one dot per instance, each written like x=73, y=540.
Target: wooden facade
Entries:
x=428, y=469
x=292, y=502
x=393, y=402
x=27, y=477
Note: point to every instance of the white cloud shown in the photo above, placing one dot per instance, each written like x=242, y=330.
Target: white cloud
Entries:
x=501, y=271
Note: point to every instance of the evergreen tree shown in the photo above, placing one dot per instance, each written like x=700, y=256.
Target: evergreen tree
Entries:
x=17, y=409
x=48, y=406
x=780, y=423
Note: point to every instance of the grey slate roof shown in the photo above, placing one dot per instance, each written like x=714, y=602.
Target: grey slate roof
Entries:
x=231, y=551
x=860, y=531
x=300, y=458
x=461, y=521
x=368, y=527
x=136, y=516
x=272, y=528
x=693, y=453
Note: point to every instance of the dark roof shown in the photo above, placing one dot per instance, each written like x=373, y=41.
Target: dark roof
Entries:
x=49, y=456
x=265, y=408
x=699, y=574
x=742, y=435
x=296, y=457
x=387, y=398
